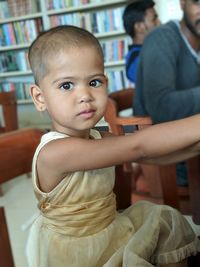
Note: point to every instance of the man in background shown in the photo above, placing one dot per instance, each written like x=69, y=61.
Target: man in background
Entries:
x=139, y=19
x=168, y=77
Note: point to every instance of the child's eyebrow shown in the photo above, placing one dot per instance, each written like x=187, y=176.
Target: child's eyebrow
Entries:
x=73, y=77
x=62, y=78
x=97, y=74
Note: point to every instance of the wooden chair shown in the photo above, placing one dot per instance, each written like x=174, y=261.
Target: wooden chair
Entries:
x=116, y=103
x=120, y=101
x=8, y=119
x=17, y=149
x=9, y=108
x=5, y=246
x=162, y=179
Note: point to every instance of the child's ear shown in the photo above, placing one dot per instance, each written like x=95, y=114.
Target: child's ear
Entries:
x=38, y=97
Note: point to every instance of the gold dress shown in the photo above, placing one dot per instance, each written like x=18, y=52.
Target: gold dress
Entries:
x=79, y=226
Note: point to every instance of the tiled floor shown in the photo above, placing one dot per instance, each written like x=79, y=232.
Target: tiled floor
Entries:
x=20, y=206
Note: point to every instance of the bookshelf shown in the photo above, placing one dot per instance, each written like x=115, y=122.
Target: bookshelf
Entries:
x=22, y=20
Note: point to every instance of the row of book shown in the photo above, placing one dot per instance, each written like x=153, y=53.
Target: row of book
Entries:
x=59, y=4
x=96, y=22
x=18, y=60
x=117, y=80
x=21, y=89
x=15, y=8
x=19, y=32
x=115, y=50
x=4, y=10
x=14, y=61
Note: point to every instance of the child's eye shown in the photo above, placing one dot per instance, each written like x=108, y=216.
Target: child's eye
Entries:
x=95, y=83
x=66, y=86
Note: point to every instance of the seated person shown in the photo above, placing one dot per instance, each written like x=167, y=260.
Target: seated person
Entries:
x=168, y=80
x=74, y=167
x=139, y=19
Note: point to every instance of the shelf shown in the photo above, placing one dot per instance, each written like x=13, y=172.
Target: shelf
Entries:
x=114, y=63
x=14, y=47
x=85, y=7
x=24, y=101
x=29, y=72
x=15, y=73
x=109, y=34
x=115, y=68
x=25, y=17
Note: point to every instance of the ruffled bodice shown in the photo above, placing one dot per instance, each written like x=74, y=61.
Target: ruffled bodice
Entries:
x=80, y=213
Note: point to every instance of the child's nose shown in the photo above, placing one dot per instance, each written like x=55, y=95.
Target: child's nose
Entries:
x=85, y=95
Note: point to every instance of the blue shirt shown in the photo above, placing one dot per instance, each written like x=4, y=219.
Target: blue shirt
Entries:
x=132, y=62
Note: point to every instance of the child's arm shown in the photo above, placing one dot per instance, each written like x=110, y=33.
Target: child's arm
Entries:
x=66, y=155
x=179, y=155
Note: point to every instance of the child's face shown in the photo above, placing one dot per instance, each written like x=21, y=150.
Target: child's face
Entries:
x=74, y=91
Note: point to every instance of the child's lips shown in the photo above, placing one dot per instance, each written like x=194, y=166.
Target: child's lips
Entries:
x=87, y=113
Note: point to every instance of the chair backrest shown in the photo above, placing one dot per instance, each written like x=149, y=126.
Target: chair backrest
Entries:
x=119, y=101
x=17, y=150
x=5, y=245
x=9, y=111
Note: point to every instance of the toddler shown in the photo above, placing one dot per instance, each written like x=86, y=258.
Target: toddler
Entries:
x=74, y=174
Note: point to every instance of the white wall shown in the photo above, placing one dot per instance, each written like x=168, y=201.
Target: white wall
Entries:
x=168, y=9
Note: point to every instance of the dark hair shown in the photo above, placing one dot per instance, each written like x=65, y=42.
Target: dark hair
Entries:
x=50, y=42
x=135, y=12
